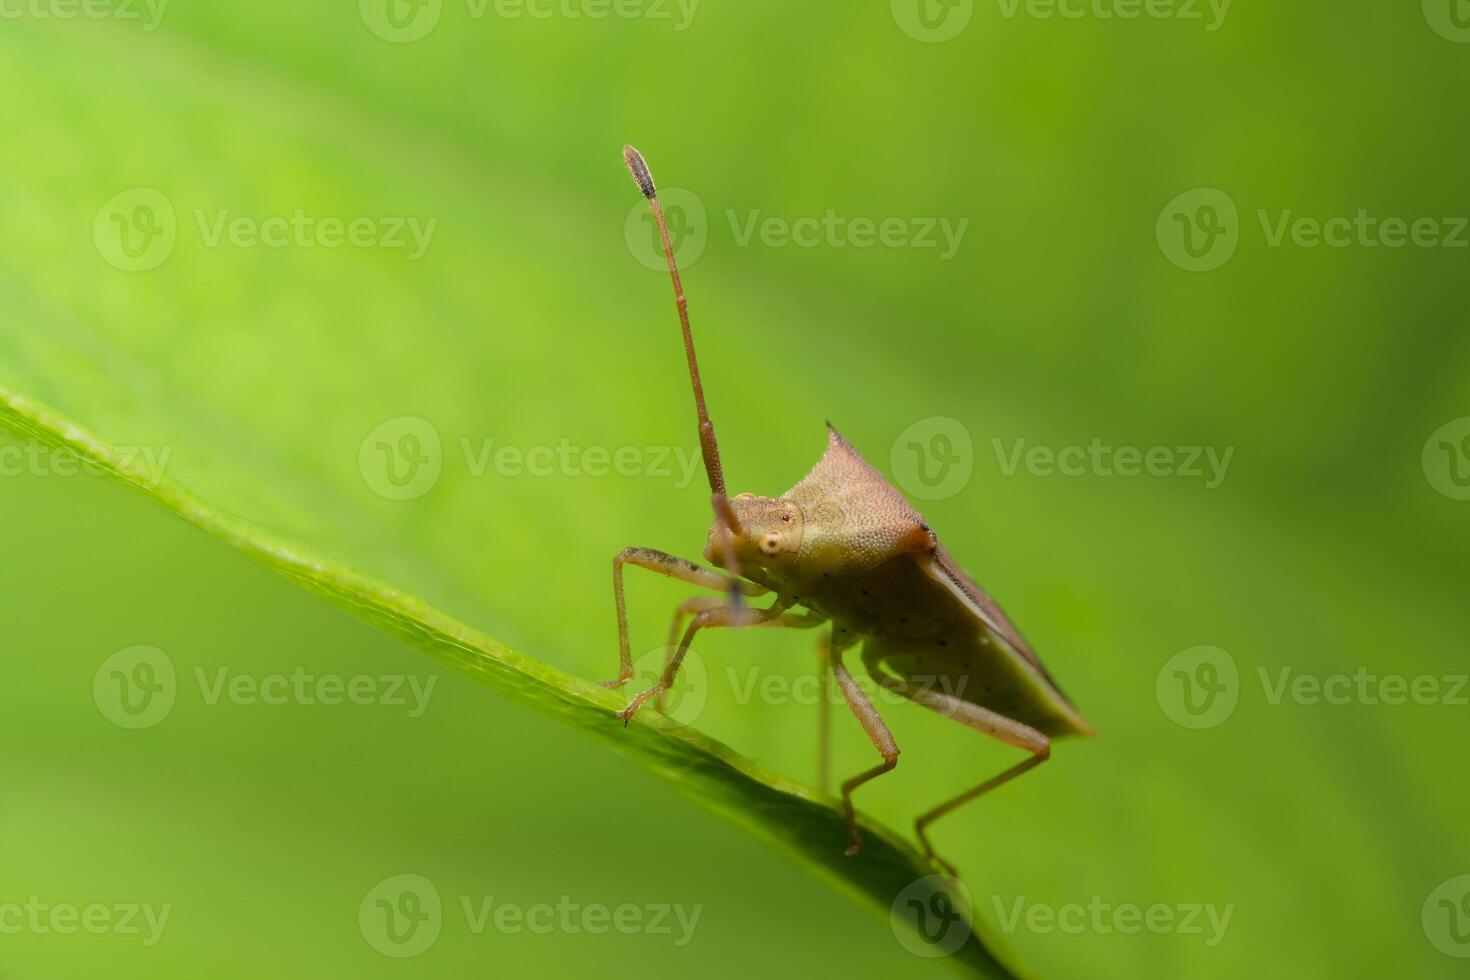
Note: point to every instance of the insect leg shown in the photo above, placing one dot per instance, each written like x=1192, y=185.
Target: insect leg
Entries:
x=678, y=568
x=824, y=713
x=867, y=716
x=776, y=615
x=971, y=715
x=687, y=608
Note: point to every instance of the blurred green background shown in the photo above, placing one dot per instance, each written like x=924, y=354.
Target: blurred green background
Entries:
x=1075, y=152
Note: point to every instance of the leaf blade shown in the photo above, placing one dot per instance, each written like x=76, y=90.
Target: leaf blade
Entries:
x=795, y=819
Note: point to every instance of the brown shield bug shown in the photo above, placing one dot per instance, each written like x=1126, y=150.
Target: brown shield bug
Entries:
x=844, y=549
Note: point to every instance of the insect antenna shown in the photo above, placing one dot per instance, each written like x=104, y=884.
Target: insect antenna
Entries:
x=724, y=514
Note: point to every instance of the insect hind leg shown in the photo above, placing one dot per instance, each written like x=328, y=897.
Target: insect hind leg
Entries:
x=872, y=724
x=970, y=715
x=824, y=714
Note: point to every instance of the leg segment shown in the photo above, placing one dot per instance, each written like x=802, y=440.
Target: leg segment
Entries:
x=867, y=716
x=678, y=568
x=971, y=715
x=718, y=616
x=687, y=608
x=824, y=714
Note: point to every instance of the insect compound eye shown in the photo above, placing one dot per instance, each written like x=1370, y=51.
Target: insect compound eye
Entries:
x=771, y=543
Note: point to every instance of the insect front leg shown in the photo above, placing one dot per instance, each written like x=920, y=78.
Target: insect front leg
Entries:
x=867, y=716
x=718, y=616
x=672, y=567
x=687, y=608
x=971, y=715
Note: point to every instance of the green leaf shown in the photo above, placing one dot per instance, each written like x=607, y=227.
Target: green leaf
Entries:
x=804, y=824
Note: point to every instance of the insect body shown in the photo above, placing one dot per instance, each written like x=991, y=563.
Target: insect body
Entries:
x=844, y=550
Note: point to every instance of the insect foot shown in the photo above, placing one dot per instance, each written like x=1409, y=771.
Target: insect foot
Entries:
x=632, y=709
x=890, y=760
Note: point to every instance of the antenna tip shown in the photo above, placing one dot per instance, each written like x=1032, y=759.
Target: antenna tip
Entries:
x=638, y=168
